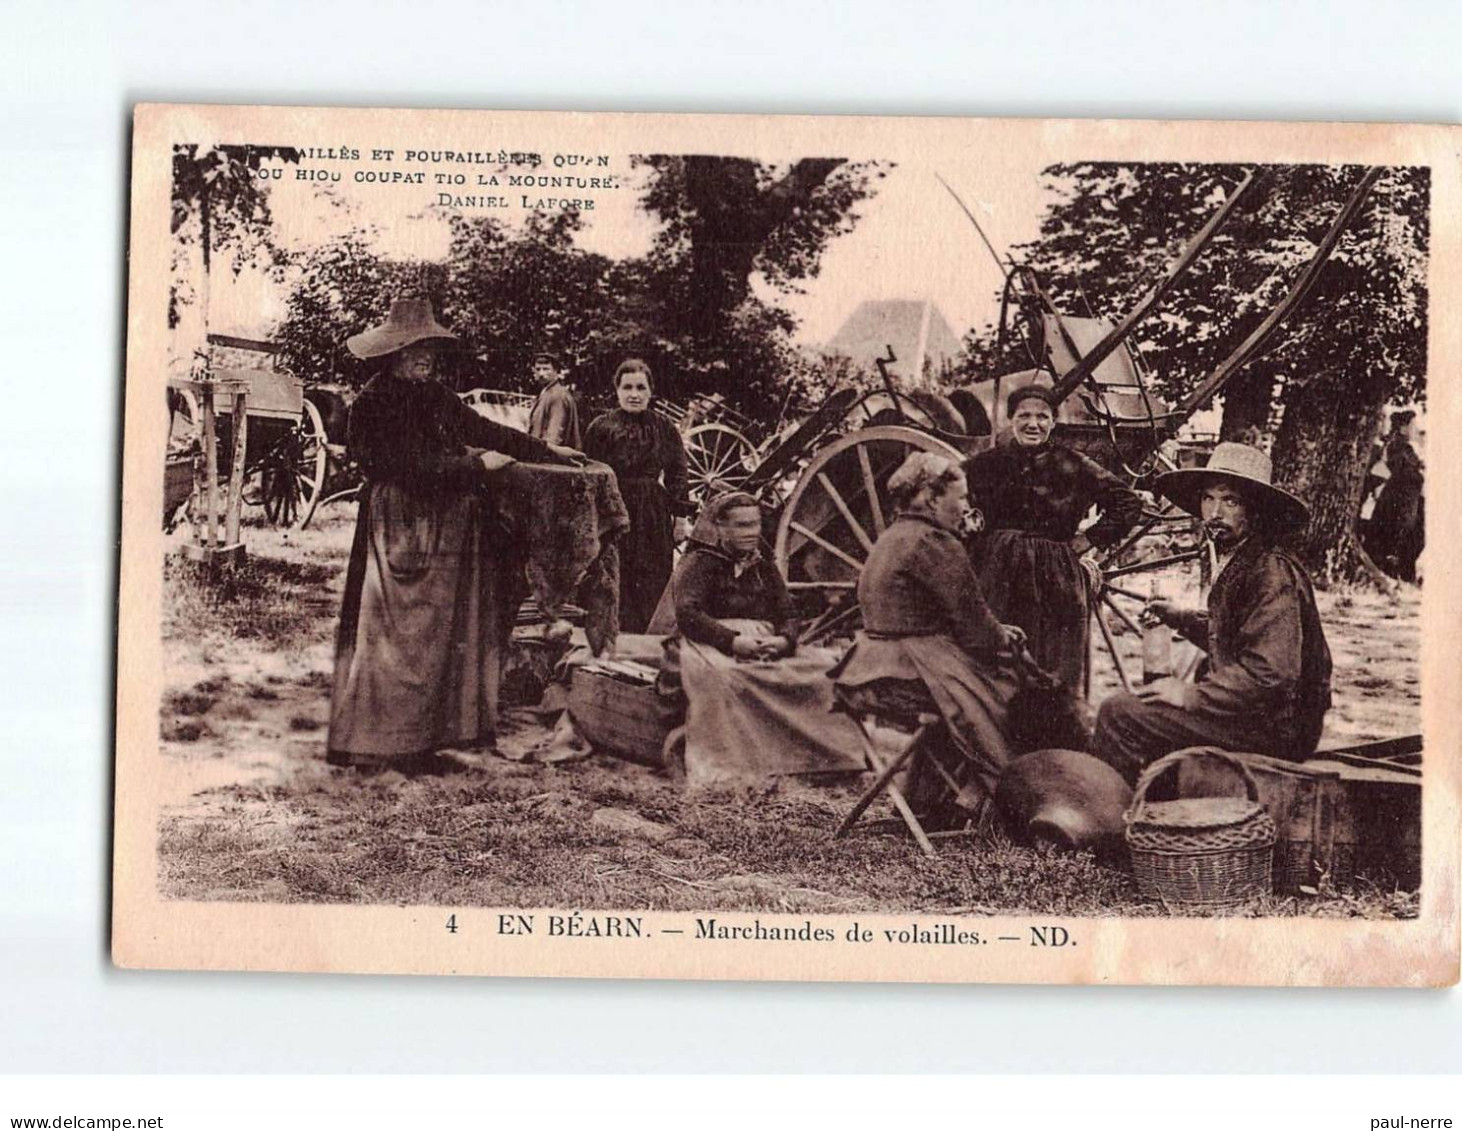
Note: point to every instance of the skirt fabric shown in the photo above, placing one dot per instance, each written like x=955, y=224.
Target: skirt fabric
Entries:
x=973, y=700
x=1039, y=585
x=753, y=720
x=646, y=552
x=426, y=616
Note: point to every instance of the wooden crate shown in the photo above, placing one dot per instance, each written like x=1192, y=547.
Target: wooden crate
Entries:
x=1377, y=822
x=1336, y=820
x=619, y=716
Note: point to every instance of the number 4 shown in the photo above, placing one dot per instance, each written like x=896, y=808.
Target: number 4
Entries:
x=452, y=923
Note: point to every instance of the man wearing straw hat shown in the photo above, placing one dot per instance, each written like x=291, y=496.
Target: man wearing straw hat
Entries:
x=1265, y=685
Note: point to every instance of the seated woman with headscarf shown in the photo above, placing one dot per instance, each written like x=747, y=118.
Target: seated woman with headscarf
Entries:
x=753, y=708
x=725, y=593
x=930, y=642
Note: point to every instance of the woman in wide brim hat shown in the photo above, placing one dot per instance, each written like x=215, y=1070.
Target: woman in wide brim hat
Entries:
x=410, y=321
x=1249, y=470
x=429, y=588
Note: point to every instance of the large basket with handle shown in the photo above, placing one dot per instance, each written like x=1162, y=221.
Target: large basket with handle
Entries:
x=1200, y=852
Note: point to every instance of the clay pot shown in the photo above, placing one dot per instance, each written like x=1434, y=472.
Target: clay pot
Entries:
x=1064, y=798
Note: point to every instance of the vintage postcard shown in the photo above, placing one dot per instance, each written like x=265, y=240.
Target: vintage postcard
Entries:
x=790, y=548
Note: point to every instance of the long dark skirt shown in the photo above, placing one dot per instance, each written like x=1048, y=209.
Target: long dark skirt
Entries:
x=423, y=626
x=1396, y=530
x=1039, y=584
x=646, y=552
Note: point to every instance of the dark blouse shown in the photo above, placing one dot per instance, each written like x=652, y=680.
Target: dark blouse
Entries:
x=1402, y=462
x=1047, y=491
x=918, y=581
x=1267, y=656
x=641, y=445
x=420, y=434
x=707, y=591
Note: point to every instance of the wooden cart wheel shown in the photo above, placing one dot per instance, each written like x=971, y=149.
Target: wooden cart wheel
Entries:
x=185, y=432
x=185, y=418
x=841, y=505
x=717, y=456
x=1121, y=566
x=292, y=472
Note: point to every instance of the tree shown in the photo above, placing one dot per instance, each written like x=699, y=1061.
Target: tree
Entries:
x=1364, y=347
x=343, y=288
x=220, y=202
x=726, y=223
x=691, y=307
x=1319, y=390
x=512, y=294
x=506, y=294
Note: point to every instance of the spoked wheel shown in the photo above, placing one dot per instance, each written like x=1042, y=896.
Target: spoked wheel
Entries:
x=290, y=475
x=1167, y=536
x=717, y=457
x=836, y=512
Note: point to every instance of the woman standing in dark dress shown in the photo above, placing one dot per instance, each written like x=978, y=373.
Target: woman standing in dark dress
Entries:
x=649, y=461
x=1032, y=494
x=1397, y=526
x=427, y=591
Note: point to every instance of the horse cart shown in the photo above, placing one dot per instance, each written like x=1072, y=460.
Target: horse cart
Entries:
x=722, y=445
x=824, y=485
x=283, y=447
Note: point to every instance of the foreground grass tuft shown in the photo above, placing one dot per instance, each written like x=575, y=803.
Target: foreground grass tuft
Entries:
x=522, y=837
x=277, y=603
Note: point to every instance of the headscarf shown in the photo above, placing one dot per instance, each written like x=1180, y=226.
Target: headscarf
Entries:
x=920, y=470
x=707, y=527
x=1031, y=393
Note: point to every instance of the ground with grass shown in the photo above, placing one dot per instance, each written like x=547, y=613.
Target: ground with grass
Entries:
x=254, y=813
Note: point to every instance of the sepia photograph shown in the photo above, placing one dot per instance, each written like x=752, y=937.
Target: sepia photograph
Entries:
x=893, y=538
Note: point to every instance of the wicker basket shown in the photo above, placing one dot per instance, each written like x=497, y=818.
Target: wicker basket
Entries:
x=1200, y=852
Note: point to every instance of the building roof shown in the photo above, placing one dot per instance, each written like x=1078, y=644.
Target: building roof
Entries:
x=877, y=324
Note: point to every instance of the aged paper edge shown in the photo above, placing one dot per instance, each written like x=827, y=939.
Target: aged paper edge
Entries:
x=149, y=932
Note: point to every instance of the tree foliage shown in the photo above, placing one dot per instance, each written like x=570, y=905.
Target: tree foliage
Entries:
x=219, y=203
x=1114, y=228
x=1317, y=394
x=689, y=307
x=343, y=288
x=727, y=222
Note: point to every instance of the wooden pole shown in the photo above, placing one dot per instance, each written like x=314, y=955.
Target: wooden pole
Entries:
x=1087, y=365
x=236, y=468
x=210, y=462
x=200, y=487
x=210, y=417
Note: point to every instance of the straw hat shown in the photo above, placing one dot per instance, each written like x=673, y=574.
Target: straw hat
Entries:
x=411, y=320
x=1242, y=465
